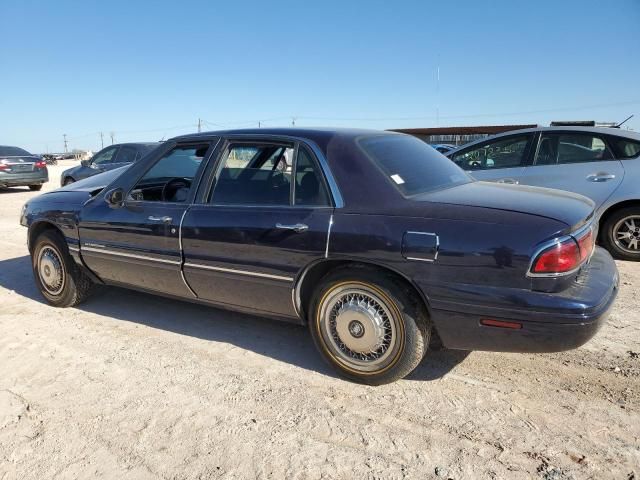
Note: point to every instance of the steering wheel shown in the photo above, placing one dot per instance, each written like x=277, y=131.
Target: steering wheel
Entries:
x=172, y=186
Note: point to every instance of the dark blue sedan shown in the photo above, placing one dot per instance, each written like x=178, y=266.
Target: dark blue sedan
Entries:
x=109, y=158
x=372, y=239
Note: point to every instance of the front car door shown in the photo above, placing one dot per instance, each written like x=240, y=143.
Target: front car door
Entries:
x=99, y=163
x=263, y=216
x=502, y=159
x=575, y=161
x=137, y=243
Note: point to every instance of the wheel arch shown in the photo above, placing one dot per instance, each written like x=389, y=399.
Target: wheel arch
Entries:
x=314, y=272
x=613, y=209
x=37, y=228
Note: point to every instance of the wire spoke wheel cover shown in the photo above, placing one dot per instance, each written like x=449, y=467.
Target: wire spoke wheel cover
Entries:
x=51, y=270
x=361, y=327
x=626, y=234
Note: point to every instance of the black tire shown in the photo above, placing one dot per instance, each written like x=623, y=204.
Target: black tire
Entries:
x=412, y=326
x=613, y=225
x=35, y=188
x=75, y=285
x=67, y=181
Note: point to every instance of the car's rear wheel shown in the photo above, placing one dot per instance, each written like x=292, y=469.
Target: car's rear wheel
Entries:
x=67, y=181
x=60, y=281
x=621, y=234
x=369, y=327
x=35, y=188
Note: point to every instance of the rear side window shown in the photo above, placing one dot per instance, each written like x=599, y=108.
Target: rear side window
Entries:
x=563, y=148
x=503, y=153
x=263, y=174
x=410, y=164
x=625, y=148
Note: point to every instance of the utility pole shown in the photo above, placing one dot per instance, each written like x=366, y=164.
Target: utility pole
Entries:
x=293, y=121
x=101, y=140
x=112, y=136
x=64, y=135
x=259, y=124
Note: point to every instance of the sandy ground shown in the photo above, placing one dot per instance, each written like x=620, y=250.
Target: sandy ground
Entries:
x=134, y=386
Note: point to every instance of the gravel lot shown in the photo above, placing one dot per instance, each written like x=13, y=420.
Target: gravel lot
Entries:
x=130, y=385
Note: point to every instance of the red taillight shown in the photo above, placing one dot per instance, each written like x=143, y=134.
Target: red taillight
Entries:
x=3, y=166
x=586, y=244
x=40, y=164
x=560, y=258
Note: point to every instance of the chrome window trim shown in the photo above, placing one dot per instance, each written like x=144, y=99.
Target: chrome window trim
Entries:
x=556, y=241
x=239, y=272
x=129, y=255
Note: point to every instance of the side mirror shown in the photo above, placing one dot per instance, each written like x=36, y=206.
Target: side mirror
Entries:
x=115, y=198
x=85, y=163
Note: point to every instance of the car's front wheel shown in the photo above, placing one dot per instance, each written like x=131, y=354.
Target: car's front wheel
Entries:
x=60, y=281
x=621, y=234
x=35, y=188
x=67, y=181
x=368, y=326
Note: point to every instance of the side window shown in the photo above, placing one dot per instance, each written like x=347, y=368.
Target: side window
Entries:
x=559, y=148
x=104, y=157
x=625, y=148
x=310, y=188
x=126, y=154
x=504, y=153
x=254, y=174
x=170, y=178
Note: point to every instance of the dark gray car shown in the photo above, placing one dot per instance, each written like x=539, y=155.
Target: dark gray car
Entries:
x=600, y=163
x=109, y=158
x=19, y=168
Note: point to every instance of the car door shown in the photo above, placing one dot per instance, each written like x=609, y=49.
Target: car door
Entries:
x=126, y=155
x=261, y=221
x=575, y=161
x=501, y=159
x=137, y=242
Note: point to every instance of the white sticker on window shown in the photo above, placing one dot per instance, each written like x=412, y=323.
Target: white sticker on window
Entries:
x=397, y=178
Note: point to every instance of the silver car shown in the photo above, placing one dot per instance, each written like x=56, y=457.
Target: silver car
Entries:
x=19, y=168
x=600, y=163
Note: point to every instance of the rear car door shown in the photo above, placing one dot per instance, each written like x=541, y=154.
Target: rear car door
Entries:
x=137, y=243
x=580, y=162
x=502, y=159
x=265, y=216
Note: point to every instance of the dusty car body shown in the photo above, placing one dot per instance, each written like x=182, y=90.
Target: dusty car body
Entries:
x=372, y=239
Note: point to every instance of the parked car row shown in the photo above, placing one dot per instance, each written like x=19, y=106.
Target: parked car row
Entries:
x=374, y=240
x=600, y=163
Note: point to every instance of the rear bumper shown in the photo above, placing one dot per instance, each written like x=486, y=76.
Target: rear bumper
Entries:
x=22, y=179
x=550, y=322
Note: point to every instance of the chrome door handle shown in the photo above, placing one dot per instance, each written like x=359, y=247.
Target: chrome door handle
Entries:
x=510, y=181
x=298, y=227
x=600, y=177
x=152, y=218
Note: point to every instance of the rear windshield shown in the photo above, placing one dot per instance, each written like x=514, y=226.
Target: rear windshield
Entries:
x=13, y=152
x=412, y=165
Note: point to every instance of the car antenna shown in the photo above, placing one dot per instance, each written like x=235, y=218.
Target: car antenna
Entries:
x=624, y=121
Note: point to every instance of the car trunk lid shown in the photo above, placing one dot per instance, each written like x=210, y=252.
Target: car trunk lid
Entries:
x=21, y=164
x=569, y=208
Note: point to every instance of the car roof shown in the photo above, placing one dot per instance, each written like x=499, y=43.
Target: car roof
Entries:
x=316, y=134
x=611, y=131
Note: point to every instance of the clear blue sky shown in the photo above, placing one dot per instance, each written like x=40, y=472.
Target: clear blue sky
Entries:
x=147, y=70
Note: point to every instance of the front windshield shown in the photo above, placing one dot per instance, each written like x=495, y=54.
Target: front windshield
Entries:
x=411, y=164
